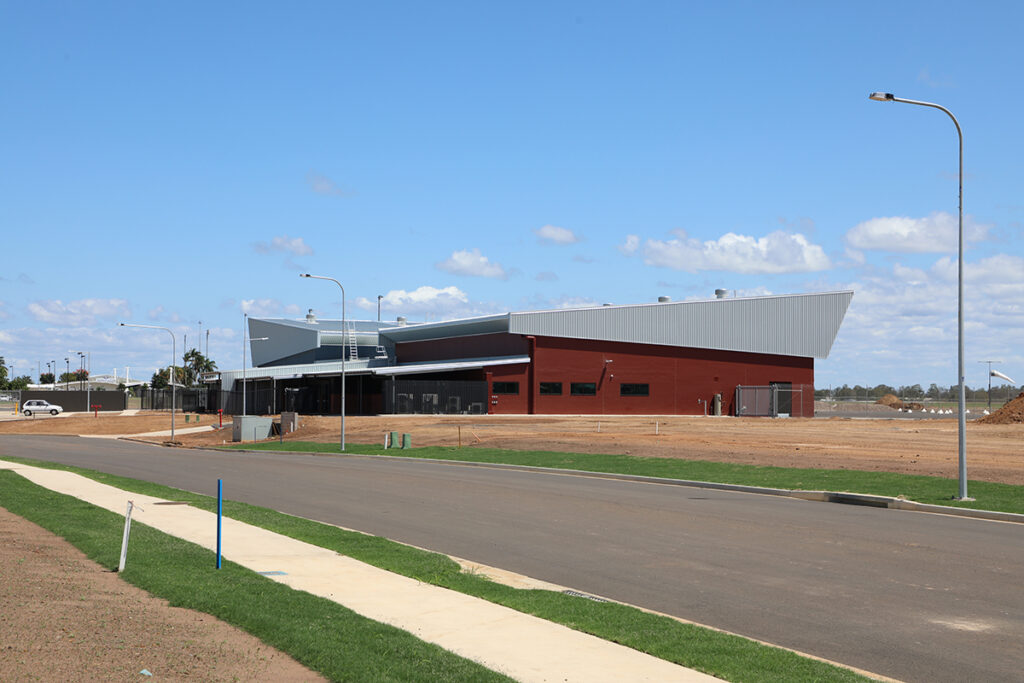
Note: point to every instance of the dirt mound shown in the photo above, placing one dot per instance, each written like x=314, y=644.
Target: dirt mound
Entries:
x=1011, y=413
x=895, y=403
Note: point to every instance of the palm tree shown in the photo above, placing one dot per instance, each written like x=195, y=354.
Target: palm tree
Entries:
x=196, y=364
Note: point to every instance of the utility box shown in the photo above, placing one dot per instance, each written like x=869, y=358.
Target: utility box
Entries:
x=716, y=405
x=289, y=422
x=250, y=427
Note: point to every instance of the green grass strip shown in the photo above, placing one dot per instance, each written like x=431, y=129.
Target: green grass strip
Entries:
x=930, y=490
x=319, y=633
x=726, y=656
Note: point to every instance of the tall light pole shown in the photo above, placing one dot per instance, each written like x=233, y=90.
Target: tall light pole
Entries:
x=889, y=97
x=174, y=353
x=321, y=277
x=245, y=316
x=82, y=356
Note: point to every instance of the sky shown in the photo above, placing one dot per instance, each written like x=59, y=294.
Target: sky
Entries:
x=179, y=164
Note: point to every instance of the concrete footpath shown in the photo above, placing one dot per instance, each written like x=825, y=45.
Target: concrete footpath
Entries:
x=521, y=646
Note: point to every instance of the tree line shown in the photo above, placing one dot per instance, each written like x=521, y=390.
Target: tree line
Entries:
x=914, y=392
x=187, y=374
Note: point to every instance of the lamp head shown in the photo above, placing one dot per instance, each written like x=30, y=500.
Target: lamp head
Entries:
x=303, y=274
x=882, y=96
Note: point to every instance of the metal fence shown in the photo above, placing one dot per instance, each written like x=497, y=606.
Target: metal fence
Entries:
x=75, y=401
x=185, y=399
x=435, y=397
x=10, y=401
x=774, y=400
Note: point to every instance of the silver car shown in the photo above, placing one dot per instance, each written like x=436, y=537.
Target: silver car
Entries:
x=38, y=406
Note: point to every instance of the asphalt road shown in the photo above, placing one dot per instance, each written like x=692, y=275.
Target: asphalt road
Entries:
x=913, y=596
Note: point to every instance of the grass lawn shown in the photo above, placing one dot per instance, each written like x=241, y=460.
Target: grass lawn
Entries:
x=314, y=632
x=931, y=490
x=319, y=633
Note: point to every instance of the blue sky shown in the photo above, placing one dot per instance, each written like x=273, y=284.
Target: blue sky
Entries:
x=171, y=163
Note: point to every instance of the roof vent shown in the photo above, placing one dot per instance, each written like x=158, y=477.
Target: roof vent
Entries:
x=664, y=299
x=721, y=293
x=607, y=304
x=401, y=321
x=311, y=317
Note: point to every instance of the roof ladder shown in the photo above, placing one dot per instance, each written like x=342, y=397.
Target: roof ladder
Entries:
x=353, y=347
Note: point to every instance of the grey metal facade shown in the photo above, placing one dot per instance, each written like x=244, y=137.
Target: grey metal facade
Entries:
x=795, y=325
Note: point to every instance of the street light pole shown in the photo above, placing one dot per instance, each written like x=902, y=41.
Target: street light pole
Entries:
x=343, y=332
x=251, y=339
x=174, y=354
x=962, y=430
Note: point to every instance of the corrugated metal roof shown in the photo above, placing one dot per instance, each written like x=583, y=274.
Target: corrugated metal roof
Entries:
x=448, y=366
x=450, y=328
x=792, y=325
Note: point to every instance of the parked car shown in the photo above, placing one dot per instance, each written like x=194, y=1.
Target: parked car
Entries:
x=37, y=406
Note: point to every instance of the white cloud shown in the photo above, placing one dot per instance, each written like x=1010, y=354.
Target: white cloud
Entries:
x=546, y=276
x=321, y=184
x=630, y=246
x=935, y=233
x=427, y=302
x=473, y=263
x=539, y=303
x=261, y=307
x=556, y=235
x=778, y=252
x=295, y=246
x=81, y=312
x=901, y=327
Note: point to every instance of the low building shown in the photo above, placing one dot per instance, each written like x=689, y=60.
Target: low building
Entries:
x=736, y=356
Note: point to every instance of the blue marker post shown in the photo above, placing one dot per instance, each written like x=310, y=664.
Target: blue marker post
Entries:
x=220, y=514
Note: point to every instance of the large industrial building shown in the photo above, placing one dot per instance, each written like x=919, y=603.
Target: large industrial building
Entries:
x=734, y=356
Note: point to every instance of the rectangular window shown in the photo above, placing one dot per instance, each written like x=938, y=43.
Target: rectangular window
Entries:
x=583, y=389
x=551, y=388
x=505, y=388
x=634, y=390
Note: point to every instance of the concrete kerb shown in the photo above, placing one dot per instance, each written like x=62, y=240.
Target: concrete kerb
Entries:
x=864, y=499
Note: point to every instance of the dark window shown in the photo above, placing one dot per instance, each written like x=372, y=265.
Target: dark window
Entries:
x=634, y=390
x=583, y=388
x=551, y=388
x=505, y=388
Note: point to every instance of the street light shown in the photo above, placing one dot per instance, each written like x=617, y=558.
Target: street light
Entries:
x=321, y=277
x=251, y=339
x=174, y=353
x=83, y=355
x=889, y=97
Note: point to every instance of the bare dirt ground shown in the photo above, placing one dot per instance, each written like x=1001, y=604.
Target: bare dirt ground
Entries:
x=66, y=618
x=928, y=447
x=53, y=599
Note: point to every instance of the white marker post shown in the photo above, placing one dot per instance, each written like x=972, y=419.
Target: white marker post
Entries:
x=124, y=539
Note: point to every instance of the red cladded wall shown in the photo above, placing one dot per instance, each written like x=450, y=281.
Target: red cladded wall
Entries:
x=677, y=377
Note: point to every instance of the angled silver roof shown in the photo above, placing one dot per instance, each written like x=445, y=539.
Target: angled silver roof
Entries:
x=788, y=325
x=791, y=325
